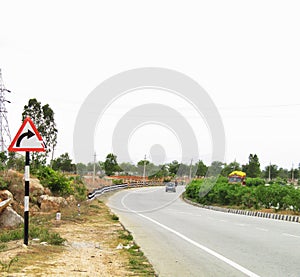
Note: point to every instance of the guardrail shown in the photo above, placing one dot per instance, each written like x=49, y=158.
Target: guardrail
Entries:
x=103, y=190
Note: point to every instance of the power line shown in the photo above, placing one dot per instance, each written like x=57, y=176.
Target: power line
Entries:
x=4, y=128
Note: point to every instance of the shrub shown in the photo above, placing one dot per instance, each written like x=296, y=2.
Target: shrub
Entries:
x=57, y=182
x=3, y=184
x=255, y=182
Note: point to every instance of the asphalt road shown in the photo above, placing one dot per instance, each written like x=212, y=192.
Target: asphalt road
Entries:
x=183, y=240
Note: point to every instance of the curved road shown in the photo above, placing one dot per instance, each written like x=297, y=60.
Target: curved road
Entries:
x=183, y=240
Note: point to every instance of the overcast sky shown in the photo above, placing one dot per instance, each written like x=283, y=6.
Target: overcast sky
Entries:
x=244, y=54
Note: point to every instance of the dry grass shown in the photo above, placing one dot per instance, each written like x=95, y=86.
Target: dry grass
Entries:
x=90, y=248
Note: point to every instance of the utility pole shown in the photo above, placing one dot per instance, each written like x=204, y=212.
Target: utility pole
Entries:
x=5, y=137
x=144, y=172
x=190, y=176
x=269, y=172
x=94, y=169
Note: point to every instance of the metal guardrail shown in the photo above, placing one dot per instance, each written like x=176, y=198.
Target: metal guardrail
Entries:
x=103, y=190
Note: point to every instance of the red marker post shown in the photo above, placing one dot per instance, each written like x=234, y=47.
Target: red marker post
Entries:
x=27, y=139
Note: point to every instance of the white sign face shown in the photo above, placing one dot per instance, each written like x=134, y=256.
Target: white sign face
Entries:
x=27, y=139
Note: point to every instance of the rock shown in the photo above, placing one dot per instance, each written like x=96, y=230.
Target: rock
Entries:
x=35, y=188
x=120, y=246
x=5, y=194
x=51, y=203
x=10, y=219
x=71, y=200
x=47, y=191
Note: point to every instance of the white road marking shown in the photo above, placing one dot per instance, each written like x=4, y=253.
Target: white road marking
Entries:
x=262, y=229
x=223, y=220
x=241, y=224
x=187, y=213
x=290, y=235
x=200, y=246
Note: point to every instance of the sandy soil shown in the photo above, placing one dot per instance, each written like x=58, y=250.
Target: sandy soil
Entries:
x=90, y=250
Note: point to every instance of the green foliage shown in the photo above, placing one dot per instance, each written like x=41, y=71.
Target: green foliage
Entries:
x=173, y=167
x=110, y=165
x=60, y=184
x=255, y=196
x=3, y=184
x=63, y=163
x=45, y=235
x=6, y=266
x=118, y=181
x=43, y=118
x=255, y=182
x=9, y=235
x=215, y=168
x=201, y=169
x=228, y=168
x=3, y=159
x=57, y=182
x=114, y=217
x=252, y=169
x=15, y=161
x=3, y=246
x=271, y=171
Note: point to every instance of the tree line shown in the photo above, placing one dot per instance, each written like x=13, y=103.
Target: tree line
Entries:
x=43, y=117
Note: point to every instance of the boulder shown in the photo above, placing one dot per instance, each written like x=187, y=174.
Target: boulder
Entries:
x=5, y=194
x=10, y=219
x=51, y=203
x=71, y=200
x=35, y=187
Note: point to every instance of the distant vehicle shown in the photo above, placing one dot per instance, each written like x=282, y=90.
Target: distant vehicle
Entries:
x=171, y=187
x=237, y=177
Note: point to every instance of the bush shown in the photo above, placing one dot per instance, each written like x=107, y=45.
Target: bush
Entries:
x=3, y=184
x=255, y=196
x=255, y=182
x=118, y=181
x=57, y=182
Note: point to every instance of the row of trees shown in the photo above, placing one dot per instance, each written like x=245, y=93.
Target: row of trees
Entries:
x=200, y=169
x=43, y=117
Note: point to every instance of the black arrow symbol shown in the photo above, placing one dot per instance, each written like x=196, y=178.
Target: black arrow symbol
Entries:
x=29, y=134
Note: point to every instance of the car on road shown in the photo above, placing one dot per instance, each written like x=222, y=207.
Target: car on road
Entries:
x=171, y=187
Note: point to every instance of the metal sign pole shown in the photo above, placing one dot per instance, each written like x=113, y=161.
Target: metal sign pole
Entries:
x=27, y=133
x=26, y=199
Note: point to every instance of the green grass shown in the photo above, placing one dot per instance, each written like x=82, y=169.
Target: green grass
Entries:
x=9, y=235
x=3, y=246
x=114, y=217
x=35, y=231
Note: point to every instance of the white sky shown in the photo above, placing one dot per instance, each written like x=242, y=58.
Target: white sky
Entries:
x=245, y=54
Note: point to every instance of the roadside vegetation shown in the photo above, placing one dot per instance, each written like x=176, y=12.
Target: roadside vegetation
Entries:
x=105, y=230
x=254, y=195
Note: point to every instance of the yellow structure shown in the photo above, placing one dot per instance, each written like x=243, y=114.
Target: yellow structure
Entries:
x=237, y=177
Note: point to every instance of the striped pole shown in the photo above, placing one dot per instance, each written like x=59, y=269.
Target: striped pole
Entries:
x=26, y=199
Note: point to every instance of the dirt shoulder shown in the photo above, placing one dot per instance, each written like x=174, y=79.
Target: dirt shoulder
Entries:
x=90, y=249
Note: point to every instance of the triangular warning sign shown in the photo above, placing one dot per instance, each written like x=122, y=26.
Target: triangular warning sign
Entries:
x=27, y=139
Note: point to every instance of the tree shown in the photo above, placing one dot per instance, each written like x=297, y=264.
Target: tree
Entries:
x=43, y=118
x=215, y=169
x=252, y=169
x=228, y=168
x=201, y=169
x=110, y=165
x=271, y=171
x=81, y=169
x=3, y=159
x=63, y=163
x=15, y=161
x=183, y=170
x=128, y=168
x=174, y=167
